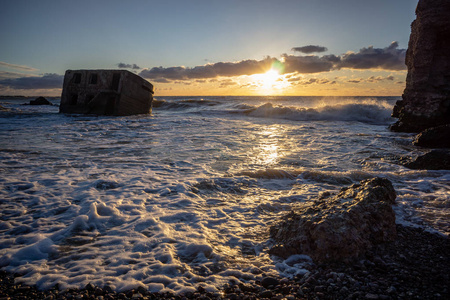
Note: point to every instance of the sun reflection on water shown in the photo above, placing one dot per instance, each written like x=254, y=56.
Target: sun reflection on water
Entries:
x=267, y=151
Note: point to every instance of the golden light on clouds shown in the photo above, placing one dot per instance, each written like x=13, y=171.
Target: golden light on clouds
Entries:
x=276, y=83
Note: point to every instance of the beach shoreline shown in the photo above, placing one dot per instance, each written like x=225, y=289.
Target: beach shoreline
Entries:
x=415, y=266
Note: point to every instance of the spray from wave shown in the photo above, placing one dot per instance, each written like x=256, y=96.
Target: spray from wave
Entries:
x=372, y=111
x=366, y=112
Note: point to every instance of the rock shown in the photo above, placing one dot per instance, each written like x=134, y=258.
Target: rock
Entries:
x=3, y=108
x=426, y=98
x=89, y=287
x=339, y=228
x=40, y=101
x=266, y=294
x=371, y=296
x=269, y=281
x=435, y=137
x=438, y=159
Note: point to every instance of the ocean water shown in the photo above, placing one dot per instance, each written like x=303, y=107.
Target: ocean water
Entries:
x=185, y=196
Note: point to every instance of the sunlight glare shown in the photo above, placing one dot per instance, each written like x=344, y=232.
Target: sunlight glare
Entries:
x=270, y=82
x=269, y=79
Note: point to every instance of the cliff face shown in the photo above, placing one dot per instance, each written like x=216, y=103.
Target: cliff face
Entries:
x=426, y=99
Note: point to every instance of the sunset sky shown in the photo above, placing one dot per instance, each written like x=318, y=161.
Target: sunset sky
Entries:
x=210, y=47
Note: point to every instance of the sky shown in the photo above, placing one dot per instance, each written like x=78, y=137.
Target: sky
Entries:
x=210, y=47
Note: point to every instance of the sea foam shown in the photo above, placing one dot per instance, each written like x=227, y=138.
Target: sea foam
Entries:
x=184, y=197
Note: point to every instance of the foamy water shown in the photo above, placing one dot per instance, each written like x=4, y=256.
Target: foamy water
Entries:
x=185, y=197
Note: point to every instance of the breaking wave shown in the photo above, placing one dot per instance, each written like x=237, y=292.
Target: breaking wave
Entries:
x=183, y=104
x=373, y=113
x=351, y=109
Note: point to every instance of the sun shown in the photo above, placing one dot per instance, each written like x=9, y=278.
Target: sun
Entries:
x=269, y=79
x=269, y=83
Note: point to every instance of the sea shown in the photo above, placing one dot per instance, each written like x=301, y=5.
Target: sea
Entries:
x=185, y=197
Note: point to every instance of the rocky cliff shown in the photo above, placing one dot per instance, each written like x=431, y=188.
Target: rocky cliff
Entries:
x=426, y=99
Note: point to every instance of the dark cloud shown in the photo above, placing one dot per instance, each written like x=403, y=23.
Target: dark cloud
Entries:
x=47, y=81
x=161, y=80
x=316, y=81
x=128, y=66
x=10, y=75
x=224, y=69
x=374, y=79
x=380, y=78
x=308, y=64
x=389, y=58
x=226, y=83
x=355, y=80
x=310, y=49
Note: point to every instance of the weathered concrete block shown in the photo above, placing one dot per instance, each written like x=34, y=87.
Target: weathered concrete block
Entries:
x=105, y=92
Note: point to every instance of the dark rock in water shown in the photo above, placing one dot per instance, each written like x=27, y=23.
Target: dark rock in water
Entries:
x=435, y=137
x=426, y=99
x=106, y=185
x=339, y=228
x=438, y=159
x=269, y=282
x=40, y=101
x=3, y=108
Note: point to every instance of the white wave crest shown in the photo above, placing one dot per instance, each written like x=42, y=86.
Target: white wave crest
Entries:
x=366, y=112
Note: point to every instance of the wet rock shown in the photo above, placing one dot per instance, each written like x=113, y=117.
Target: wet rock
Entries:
x=268, y=282
x=435, y=137
x=40, y=101
x=437, y=159
x=371, y=296
x=339, y=228
x=266, y=294
x=426, y=98
x=90, y=287
x=3, y=108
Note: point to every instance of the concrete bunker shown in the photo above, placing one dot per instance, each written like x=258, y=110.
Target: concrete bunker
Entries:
x=105, y=92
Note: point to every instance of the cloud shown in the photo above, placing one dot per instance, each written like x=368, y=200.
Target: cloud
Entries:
x=9, y=75
x=226, y=83
x=389, y=58
x=374, y=79
x=314, y=81
x=161, y=80
x=128, y=66
x=309, y=64
x=355, y=80
x=380, y=78
x=224, y=69
x=17, y=67
x=310, y=49
x=47, y=81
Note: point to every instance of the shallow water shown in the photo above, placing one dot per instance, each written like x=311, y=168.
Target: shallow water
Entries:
x=185, y=196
